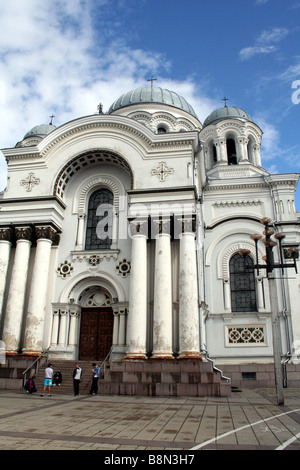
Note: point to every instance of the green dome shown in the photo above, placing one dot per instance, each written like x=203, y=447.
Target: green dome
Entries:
x=227, y=112
x=40, y=131
x=152, y=95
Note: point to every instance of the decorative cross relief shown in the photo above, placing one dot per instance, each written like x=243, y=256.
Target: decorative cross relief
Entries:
x=30, y=181
x=162, y=171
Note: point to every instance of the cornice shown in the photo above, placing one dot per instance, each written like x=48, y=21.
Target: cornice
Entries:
x=90, y=124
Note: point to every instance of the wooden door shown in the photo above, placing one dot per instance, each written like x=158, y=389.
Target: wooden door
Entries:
x=95, y=333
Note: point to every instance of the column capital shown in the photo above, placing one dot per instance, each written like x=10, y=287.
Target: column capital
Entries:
x=185, y=224
x=138, y=227
x=5, y=234
x=23, y=233
x=44, y=231
x=47, y=232
x=161, y=226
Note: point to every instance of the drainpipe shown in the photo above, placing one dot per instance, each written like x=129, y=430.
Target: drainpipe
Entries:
x=203, y=348
x=284, y=301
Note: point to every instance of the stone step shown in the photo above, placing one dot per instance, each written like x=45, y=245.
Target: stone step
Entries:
x=150, y=378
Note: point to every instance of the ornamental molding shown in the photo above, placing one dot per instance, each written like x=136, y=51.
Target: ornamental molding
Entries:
x=239, y=203
x=130, y=130
x=94, y=257
x=123, y=268
x=41, y=151
x=162, y=171
x=106, y=181
x=246, y=335
x=30, y=182
x=64, y=269
x=225, y=256
x=234, y=186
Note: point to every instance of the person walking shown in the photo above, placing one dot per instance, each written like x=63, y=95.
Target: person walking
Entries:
x=95, y=378
x=76, y=379
x=48, y=380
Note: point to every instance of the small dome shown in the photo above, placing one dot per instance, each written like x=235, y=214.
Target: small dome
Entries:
x=152, y=95
x=227, y=112
x=40, y=131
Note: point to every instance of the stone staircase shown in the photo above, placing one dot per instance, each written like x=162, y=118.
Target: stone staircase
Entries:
x=149, y=378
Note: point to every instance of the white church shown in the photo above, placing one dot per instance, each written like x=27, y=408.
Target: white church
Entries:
x=127, y=234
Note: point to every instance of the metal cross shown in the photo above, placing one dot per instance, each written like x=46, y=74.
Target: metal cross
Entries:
x=51, y=117
x=162, y=172
x=30, y=181
x=225, y=99
x=151, y=80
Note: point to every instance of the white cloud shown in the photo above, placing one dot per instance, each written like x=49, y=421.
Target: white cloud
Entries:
x=53, y=60
x=265, y=43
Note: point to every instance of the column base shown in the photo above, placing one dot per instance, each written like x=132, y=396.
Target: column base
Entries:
x=31, y=353
x=162, y=357
x=134, y=357
x=195, y=356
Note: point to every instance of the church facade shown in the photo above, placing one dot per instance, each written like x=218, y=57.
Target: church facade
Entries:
x=128, y=233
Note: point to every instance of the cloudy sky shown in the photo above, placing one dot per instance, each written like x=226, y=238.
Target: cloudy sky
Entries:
x=66, y=56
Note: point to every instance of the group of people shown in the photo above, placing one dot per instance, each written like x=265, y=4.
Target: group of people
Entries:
x=51, y=379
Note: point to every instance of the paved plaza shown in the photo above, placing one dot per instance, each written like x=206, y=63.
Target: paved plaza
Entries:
x=246, y=420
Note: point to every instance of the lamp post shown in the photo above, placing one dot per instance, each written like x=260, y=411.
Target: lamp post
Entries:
x=270, y=266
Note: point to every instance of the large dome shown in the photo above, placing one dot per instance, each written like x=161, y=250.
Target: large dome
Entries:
x=152, y=95
x=227, y=112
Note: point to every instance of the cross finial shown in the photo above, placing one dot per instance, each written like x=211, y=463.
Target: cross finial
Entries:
x=51, y=117
x=152, y=79
x=225, y=100
x=100, y=108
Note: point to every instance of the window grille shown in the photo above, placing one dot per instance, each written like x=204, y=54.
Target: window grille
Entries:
x=99, y=220
x=242, y=284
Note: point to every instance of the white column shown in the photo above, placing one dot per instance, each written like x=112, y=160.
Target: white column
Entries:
x=80, y=232
x=74, y=325
x=260, y=294
x=62, y=335
x=5, y=246
x=115, y=339
x=55, y=325
x=163, y=305
x=227, y=295
x=122, y=327
x=137, y=316
x=189, y=333
x=221, y=151
x=34, y=331
x=17, y=290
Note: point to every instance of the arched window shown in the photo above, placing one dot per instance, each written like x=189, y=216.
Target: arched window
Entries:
x=231, y=152
x=242, y=284
x=99, y=220
x=161, y=129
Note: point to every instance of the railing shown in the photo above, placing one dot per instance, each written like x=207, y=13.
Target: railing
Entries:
x=34, y=362
x=103, y=363
x=216, y=368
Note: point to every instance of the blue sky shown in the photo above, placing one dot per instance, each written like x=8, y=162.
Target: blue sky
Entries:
x=66, y=56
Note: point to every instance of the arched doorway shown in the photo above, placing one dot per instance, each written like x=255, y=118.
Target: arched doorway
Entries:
x=96, y=328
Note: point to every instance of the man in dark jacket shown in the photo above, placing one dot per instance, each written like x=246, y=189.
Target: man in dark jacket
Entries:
x=76, y=379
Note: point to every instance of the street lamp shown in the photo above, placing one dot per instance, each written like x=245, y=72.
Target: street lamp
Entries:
x=269, y=267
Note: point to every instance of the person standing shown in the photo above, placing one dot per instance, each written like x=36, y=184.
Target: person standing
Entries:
x=95, y=378
x=48, y=380
x=76, y=379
